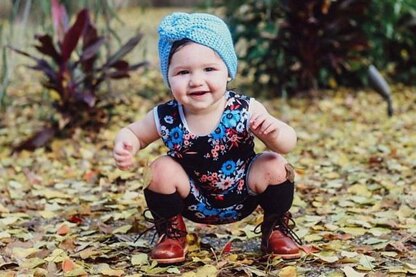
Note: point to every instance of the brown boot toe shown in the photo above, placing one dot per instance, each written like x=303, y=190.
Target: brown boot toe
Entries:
x=169, y=251
x=278, y=239
x=282, y=246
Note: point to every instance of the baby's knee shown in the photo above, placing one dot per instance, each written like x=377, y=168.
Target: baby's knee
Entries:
x=168, y=176
x=274, y=162
x=164, y=167
x=278, y=168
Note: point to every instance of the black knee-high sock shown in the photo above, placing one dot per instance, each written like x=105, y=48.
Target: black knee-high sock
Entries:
x=277, y=199
x=164, y=205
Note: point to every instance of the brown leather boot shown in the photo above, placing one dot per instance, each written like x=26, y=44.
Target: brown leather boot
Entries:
x=277, y=238
x=171, y=246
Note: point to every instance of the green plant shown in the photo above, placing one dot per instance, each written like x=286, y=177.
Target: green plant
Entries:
x=74, y=74
x=392, y=35
x=298, y=45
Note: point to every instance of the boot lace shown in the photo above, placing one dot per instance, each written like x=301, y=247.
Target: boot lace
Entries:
x=166, y=227
x=283, y=223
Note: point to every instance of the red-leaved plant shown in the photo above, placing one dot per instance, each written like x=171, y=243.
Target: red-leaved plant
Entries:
x=73, y=73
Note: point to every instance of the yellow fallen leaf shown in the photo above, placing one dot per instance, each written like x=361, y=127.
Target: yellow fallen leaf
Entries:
x=312, y=237
x=354, y=231
x=32, y=263
x=173, y=270
x=189, y=274
x=359, y=189
x=405, y=212
x=349, y=254
x=123, y=229
x=51, y=194
x=288, y=271
x=331, y=175
x=112, y=272
x=106, y=270
x=232, y=257
x=4, y=235
x=350, y=272
x=378, y=231
x=329, y=257
x=366, y=263
x=9, y=220
x=410, y=266
x=58, y=255
x=77, y=271
x=207, y=271
x=39, y=272
x=389, y=254
x=88, y=253
x=21, y=253
x=47, y=214
x=139, y=259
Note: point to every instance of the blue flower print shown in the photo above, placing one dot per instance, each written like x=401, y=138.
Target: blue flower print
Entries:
x=230, y=118
x=218, y=133
x=228, y=167
x=215, y=215
x=176, y=135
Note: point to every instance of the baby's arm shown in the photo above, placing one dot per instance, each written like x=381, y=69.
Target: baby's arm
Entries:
x=132, y=138
x=275, y=134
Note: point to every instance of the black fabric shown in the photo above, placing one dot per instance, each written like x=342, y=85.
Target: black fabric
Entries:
x=277, y=199
x=164, y=205
x=216, y=163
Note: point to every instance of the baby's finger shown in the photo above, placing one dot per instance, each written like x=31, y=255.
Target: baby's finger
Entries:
x=120, y=156
x=257, y=122
x=121, y=151
x=266, y=124
x=253, y=121
x=253, y=118
x=268, y=129
x=124, y=164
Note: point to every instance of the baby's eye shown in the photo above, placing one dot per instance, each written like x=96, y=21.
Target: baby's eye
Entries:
x=208, y=69
x=183, y=72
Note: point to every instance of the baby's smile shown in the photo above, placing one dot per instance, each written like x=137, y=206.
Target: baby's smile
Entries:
x=198, y=93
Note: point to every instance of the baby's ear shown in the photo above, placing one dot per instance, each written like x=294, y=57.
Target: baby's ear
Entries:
x=229, y=79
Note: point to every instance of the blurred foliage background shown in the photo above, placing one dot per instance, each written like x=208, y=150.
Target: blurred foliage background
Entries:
x=292, y=46
x=286, y=48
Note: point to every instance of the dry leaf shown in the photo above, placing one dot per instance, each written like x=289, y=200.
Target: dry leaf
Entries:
x=68, y=265
x=63, y=230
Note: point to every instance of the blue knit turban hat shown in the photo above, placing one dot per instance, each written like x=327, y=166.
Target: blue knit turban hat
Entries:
x=205, y=29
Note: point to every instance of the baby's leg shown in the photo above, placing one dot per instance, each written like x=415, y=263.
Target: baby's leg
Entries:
x=165, y=195
x=268, y=169
x=168, y=176
x=272, y=178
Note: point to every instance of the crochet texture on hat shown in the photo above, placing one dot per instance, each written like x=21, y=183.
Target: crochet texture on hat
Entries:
x=205, y=29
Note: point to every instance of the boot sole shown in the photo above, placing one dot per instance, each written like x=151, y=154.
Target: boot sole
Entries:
x=287, y=256
x=172, y=260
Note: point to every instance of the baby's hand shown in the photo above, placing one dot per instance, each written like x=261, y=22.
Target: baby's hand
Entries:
x=262, y=124
x=123, y=155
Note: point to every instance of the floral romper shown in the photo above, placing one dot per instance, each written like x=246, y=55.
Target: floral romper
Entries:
x=217, y=164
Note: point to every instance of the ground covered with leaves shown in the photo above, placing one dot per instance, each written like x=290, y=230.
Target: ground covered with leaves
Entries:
x=68, y=211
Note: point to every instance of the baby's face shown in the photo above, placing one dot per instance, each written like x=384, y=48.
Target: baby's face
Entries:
x=197, y=76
